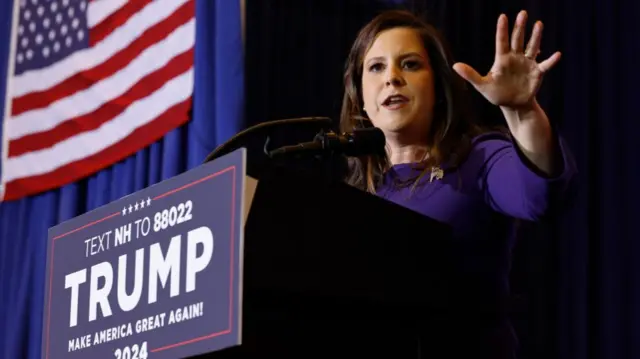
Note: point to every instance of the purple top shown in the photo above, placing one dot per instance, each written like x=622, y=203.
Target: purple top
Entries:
x=480, y=200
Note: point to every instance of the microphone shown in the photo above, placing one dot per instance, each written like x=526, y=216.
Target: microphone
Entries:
x=237, y=140
x=362, y=141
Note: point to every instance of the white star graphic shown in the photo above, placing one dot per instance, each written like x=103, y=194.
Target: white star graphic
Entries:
x=124, y=211
x=136, y=206
x=148, y=201
x=141, y=204
x=130, y=208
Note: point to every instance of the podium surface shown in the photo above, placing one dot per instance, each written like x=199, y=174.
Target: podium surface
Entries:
x=330, y=269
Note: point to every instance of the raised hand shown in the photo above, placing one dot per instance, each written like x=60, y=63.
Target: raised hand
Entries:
x=516, y=76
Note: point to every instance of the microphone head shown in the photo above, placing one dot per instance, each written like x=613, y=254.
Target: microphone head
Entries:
x=366, y=141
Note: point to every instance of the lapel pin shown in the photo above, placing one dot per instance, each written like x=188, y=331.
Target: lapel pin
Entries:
x=437, y=173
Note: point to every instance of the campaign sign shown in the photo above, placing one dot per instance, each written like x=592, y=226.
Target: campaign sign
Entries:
x=156, y=274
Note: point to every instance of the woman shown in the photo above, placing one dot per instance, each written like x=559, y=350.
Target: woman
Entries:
x=400, y=78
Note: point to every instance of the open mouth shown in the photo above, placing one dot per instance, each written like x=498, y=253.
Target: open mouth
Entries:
x=394, y=102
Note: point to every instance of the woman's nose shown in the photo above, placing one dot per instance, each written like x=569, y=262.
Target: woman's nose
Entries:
x=393, y=76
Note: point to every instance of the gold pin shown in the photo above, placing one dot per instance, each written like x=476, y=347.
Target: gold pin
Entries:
x=437, y=173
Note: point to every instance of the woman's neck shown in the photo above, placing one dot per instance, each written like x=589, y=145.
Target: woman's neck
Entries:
x=399, y=154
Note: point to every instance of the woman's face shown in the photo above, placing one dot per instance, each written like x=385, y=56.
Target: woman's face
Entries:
x=398, y=85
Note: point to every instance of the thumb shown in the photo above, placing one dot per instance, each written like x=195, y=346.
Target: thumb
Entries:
x=468, y=73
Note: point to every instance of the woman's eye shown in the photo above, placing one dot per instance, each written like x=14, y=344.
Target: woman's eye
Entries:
x=375, y=67
x=411, y=65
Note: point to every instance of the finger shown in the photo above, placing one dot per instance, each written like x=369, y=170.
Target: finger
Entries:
x=533, y=47
x=468, y=73
x=502, y=35
x=517, y=37
x=549, y=63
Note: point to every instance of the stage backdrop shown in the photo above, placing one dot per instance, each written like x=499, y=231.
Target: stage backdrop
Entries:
x=216, y=114
x=577, y=277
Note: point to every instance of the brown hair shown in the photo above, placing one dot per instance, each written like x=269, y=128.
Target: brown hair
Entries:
x=451, y=129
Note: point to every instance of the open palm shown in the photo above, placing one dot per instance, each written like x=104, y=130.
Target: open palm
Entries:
x=515, y=77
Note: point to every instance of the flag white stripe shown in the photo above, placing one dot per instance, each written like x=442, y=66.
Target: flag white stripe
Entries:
x=43, y=79
x=101, y=9
x=89, y=100
x=87, y=144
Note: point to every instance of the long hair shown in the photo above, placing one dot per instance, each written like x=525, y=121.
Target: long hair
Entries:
x=451, y=130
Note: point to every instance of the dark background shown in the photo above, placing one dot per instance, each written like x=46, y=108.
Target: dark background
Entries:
x=576, y=277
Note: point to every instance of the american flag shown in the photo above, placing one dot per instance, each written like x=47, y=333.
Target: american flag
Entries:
x=92, y=82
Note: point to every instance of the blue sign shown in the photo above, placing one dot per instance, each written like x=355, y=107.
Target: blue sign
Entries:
x=156, y=274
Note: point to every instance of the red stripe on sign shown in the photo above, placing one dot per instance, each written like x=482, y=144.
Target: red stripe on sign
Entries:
x=142, y=136
x=87, y=78
x=92, y=121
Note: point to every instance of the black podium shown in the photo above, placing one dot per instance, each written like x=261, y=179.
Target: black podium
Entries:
x=331, y=270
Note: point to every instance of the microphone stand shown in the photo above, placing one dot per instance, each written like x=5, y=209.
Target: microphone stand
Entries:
x=321, y=149
x=236, y=141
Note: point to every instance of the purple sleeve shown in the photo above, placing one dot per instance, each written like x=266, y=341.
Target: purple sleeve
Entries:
x=512, y=186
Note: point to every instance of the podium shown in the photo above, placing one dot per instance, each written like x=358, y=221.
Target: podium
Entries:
x=331, y=270
x=315, y=268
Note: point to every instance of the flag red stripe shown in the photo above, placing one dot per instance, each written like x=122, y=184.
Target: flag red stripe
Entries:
x=142, y=136
x=91, y=121
x=85, y=79
x=115, y=20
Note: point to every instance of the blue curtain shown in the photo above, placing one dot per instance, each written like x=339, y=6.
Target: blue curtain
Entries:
x=217, y=114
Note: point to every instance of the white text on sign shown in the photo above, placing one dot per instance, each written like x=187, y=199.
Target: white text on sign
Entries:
x=161, y=266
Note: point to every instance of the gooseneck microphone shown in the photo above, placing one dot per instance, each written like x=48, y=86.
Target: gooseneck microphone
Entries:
x=264, y=127
x=360, y=142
